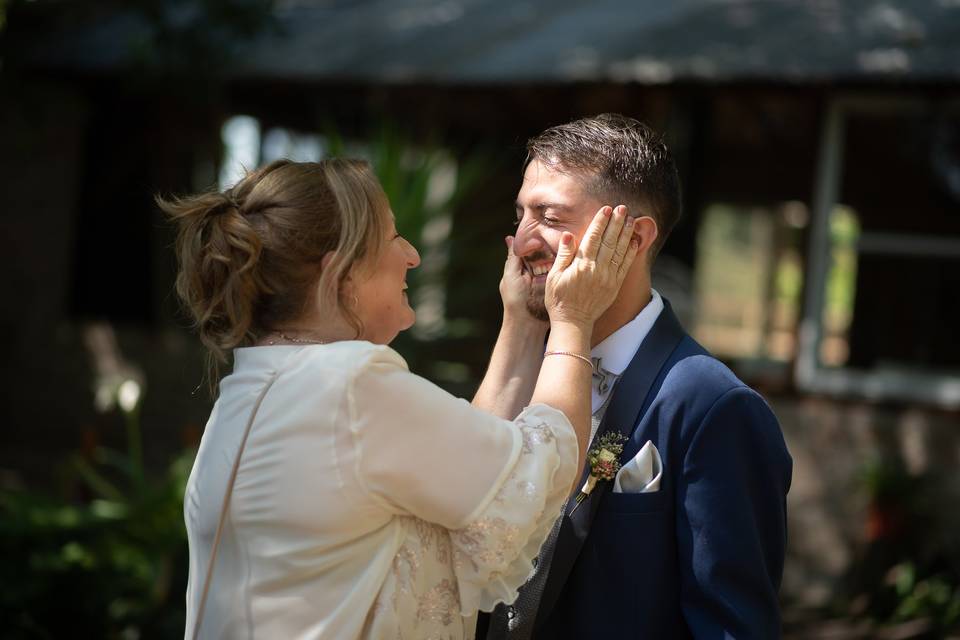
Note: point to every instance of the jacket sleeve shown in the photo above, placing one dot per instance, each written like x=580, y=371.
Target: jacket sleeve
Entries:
x=731, y=520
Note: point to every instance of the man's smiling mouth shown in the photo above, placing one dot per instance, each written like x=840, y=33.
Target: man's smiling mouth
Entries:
x=538, y=265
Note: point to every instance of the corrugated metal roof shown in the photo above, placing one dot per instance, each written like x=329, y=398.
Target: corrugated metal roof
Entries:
x=646, y=41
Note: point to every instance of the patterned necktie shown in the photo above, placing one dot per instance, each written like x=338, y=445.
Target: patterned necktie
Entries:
x=515, y=622
x=601, y=377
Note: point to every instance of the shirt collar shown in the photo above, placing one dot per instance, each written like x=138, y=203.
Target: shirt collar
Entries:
x=618, y=349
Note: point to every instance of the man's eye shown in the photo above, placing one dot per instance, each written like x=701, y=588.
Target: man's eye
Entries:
x=550, y=221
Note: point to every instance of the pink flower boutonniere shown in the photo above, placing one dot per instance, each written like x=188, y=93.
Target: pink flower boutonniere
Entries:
x=604, y=459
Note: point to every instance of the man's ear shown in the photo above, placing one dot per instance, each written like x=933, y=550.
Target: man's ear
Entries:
x=645, y=230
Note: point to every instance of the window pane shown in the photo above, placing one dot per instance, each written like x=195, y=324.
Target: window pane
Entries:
x=901, y=173
x=748, y=280
x=901, y=177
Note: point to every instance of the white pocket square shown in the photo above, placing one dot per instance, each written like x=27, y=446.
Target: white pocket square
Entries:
x=642, y=474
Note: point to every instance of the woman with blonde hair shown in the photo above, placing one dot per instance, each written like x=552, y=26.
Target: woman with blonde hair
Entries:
x=335, y=494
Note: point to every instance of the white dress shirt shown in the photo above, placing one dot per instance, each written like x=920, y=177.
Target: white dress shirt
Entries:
x=369, y=502
x=618, y=349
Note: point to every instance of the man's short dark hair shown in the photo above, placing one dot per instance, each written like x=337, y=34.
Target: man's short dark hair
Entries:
x=624, y=160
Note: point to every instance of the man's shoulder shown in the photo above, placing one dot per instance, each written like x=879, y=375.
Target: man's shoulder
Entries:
x=701, y=392
x=693, y=383
x=694, y=372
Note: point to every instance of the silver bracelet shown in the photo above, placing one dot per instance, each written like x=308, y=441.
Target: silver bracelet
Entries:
x=572, y=355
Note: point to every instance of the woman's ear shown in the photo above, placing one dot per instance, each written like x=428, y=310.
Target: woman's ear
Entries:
x=327, y=259
x=328, y=287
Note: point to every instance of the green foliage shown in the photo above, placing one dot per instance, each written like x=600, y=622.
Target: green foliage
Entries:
x=405, y=168
x=885, y=481
x=936, y=597
x=110, y=566
x=910, y=568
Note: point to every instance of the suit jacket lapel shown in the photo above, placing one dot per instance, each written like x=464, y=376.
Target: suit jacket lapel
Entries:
x=623, y=415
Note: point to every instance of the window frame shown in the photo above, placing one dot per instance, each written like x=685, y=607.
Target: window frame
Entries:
x=937, y=389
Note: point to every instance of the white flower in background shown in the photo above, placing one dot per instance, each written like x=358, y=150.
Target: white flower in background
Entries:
x=105, y=396
x=117, y=382
x=128, y=395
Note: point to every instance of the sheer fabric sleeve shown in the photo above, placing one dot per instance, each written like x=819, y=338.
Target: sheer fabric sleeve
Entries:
x=497, y=485
x=494, y=552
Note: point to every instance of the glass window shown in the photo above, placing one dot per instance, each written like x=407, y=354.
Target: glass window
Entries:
x=748, y=280
x=882, y=304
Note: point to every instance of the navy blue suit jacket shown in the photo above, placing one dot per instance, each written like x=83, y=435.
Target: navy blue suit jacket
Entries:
x=703, y=556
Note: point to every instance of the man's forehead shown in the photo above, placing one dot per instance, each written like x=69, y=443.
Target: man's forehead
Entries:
x=554, y=170
x=553, y=177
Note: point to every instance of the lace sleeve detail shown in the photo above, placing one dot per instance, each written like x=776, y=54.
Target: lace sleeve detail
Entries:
x=493, y=553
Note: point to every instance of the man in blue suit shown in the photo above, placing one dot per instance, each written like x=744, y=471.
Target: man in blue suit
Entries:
x=691, y=545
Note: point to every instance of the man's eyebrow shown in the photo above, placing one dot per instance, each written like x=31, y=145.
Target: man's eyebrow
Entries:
x=546, y=205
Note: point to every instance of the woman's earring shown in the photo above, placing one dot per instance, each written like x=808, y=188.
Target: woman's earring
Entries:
x=356, y=302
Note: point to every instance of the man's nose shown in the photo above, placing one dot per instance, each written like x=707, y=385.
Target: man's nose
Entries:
x=527, y=239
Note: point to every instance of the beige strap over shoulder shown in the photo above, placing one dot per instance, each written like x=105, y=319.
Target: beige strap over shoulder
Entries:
x=226, y=506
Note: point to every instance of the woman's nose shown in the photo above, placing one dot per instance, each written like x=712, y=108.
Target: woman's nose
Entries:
x=413, y=256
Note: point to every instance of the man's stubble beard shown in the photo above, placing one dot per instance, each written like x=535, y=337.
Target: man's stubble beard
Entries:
x=536, y=303
x=537, y=306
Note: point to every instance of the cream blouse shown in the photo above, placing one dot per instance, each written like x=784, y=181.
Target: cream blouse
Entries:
x=369, y=503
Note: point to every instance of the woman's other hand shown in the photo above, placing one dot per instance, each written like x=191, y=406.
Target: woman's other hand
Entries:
x=585, y=280
x=516, y=289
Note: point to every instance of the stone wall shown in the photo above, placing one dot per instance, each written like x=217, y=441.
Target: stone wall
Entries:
x=839, y=448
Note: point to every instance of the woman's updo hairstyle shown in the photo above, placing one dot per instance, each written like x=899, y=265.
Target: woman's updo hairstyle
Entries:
x=250, y=257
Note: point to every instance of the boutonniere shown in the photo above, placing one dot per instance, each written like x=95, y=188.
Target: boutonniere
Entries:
x=604, y=460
